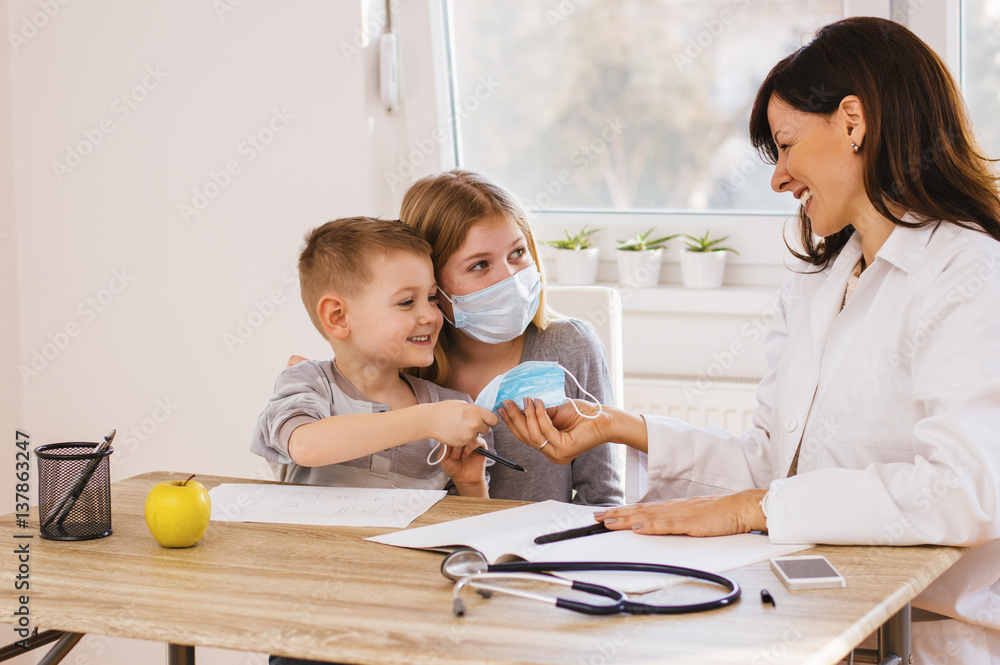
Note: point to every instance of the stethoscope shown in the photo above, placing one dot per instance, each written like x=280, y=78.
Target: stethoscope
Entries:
x=468, y=567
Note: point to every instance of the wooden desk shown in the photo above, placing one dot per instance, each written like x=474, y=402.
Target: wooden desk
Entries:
x=324, y=593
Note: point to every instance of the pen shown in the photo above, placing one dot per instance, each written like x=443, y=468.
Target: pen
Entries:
x=62, y=511
x=766, y=598
x=498, y=458
x=579, y=532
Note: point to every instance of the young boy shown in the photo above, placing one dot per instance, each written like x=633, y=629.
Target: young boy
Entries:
x=355, y=420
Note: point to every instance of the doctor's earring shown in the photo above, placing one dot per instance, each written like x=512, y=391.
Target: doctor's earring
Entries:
x=855, y=146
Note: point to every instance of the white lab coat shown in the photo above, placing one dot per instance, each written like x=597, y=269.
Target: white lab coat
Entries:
x=896, y=400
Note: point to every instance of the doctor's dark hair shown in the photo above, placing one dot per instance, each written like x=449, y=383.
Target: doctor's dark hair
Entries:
x=919, y=150
x=340, y=256
x=443, y=208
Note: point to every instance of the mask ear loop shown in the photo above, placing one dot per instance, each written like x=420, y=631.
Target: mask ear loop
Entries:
x=600, y=407
x=444, y=453
x=446, y=297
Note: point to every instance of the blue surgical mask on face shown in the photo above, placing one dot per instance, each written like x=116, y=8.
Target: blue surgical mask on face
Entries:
x=534, y=379
x=500, y=312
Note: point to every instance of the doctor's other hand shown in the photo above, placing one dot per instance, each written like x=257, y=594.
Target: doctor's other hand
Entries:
x=562, y=434
x=456, y=424
x=698, y=516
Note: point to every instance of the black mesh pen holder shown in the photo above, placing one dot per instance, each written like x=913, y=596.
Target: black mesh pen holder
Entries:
x=74, y=491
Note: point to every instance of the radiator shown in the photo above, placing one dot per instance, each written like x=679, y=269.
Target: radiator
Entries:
x=727, y=404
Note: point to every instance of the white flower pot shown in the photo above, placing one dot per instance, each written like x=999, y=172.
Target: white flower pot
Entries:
x=703, y=270
x=576, y=266
x=639, y=269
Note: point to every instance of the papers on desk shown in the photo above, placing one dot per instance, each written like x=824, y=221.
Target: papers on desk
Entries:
x=317, y=505
x=509, y=534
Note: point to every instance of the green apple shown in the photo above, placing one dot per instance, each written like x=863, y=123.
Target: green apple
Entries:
x=177, y=512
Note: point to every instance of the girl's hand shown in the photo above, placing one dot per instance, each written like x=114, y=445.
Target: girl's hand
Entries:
x=468, y=472
x=696, y=516
x=560, y=433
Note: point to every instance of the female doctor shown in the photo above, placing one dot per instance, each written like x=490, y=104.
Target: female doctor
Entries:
x=878, y=422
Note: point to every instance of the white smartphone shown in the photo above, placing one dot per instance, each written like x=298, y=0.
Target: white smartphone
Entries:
x=807, y=572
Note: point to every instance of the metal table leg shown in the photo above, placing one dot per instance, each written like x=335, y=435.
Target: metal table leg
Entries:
x=61, y=649
x=180, y=654
x=894, y=639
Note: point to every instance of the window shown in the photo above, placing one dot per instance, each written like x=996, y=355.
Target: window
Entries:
x=622, y=104
x=981, y=69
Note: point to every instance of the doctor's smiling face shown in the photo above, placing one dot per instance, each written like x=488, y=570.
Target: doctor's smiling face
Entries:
x=817, y=164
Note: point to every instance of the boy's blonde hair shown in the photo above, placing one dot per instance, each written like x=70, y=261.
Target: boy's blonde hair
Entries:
x=339, y=257
x=443, y=208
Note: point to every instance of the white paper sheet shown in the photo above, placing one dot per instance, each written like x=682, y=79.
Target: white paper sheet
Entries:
x=510, y=533
x=317, y=505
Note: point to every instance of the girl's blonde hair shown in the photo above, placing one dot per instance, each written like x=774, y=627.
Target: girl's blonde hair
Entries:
x=443, y=208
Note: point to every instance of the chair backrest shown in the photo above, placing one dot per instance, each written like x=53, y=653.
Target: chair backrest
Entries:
x=601, y=307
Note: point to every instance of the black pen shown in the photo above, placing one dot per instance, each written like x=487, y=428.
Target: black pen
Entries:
x=579, y=532
x=497, y=458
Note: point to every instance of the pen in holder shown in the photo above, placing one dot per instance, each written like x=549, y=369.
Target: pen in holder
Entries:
x=74, y=490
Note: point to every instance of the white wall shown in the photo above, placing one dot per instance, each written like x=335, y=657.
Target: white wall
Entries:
x=117, y=306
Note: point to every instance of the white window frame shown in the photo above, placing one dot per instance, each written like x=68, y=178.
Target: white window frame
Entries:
x=762, y=260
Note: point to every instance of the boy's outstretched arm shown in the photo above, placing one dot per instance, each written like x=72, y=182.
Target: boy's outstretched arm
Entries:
x=341, y=438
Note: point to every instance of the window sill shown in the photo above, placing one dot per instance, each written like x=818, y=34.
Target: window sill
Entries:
x=675, y=299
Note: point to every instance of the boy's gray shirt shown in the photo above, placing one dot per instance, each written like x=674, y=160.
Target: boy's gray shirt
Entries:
x=315, y=389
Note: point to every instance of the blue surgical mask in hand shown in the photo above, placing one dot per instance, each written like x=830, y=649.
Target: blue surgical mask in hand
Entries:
x=500, y=312
x=534, y=379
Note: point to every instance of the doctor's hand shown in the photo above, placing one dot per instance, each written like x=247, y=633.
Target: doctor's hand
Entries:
x=696, y=516
x=562, y=434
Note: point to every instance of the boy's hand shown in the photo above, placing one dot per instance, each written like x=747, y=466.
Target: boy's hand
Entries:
x=459, y=425
x=467, y=472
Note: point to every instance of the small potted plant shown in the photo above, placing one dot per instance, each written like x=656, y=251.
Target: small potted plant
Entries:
x=576, y=257
x=703, y=261
x=639, y=259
